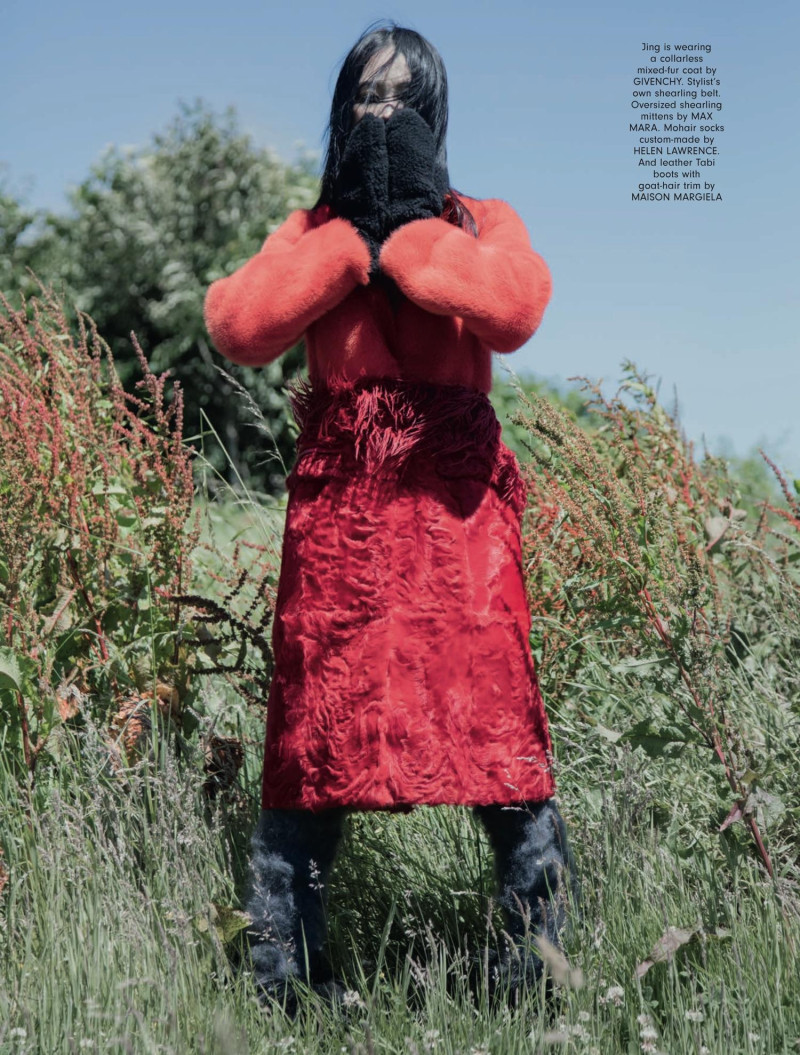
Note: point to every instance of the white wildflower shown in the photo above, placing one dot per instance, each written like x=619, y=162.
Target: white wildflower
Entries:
x=18, y=1032
x=316, y=883
x=431, y=1038
x=695, y=1016
x=615, y=995
x=352, y=998
x=584, y=1016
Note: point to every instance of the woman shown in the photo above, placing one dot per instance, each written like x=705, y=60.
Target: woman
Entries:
x=403, y=673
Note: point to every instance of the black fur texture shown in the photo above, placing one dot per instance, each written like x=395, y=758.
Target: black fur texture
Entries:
x=361, y=191
x=534, y=869
x=413, y=190
x=292, y=855
x=388, y=177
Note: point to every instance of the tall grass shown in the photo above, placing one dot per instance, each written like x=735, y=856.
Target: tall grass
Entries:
x=666, y=625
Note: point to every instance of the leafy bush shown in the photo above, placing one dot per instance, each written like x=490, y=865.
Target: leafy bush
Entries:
x=147, y=233
x=651, y=588
x=97, y=494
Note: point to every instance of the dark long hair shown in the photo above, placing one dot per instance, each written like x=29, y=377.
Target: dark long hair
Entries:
x=426, y=93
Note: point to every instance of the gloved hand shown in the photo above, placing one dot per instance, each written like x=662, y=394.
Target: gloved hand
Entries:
x=413, y=190
x=360, y=193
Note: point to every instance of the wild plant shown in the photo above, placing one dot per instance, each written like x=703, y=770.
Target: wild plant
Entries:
x=95, y=533
x=638, y=556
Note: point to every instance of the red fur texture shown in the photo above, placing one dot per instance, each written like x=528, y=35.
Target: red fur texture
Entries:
x=465, y=297
x=403, y=673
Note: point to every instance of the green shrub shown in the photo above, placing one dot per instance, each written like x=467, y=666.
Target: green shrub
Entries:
x=97, y=494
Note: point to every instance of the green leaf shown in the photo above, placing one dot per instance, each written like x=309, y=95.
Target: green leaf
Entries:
x=639, y=668
x=608, y=734
x=654, y=741
x=10, y=670
x=768, y=808
x=227, y=922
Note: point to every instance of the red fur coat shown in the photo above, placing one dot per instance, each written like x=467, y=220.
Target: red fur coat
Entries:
x=403, y=672
x=466, y=297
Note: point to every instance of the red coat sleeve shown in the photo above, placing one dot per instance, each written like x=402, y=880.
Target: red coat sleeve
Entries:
x=304, y=269
x=496, y=283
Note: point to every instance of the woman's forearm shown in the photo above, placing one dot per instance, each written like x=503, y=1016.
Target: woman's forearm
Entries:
x=496, y=283
x=303, y=271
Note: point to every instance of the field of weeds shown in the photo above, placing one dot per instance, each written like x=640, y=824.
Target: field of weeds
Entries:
x=134, y=661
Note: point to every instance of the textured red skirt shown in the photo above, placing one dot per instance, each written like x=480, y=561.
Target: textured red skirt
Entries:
x=403, y=673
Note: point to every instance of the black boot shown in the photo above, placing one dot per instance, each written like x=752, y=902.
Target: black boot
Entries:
x=532, y=860
x=292, y=855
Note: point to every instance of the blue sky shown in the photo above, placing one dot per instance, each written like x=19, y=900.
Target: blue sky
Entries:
x=705, y=296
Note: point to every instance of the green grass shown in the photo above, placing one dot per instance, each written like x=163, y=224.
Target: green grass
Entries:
x=109, y=938
x=119, y=881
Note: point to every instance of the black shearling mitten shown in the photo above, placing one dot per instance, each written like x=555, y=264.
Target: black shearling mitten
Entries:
x=360, y=193
x=414, y=190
